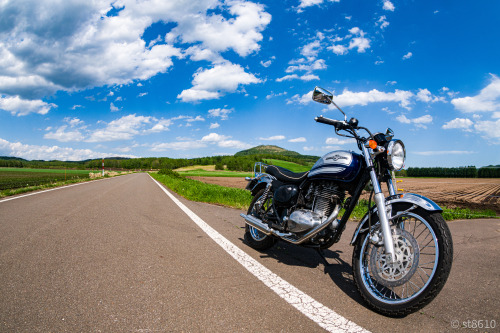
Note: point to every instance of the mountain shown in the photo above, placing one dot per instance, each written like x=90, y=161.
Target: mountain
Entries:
x=265, y=150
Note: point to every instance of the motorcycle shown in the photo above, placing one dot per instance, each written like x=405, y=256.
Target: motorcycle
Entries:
x=403, y=249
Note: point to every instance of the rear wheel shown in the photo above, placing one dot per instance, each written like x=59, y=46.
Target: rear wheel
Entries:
x=258, y=208
x=424, y=253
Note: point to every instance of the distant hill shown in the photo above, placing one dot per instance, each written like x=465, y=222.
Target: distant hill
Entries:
x=269, y=149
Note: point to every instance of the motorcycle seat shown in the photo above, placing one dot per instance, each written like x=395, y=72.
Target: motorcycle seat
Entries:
x=286, y=176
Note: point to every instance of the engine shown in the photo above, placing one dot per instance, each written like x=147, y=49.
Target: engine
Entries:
x=319, y=202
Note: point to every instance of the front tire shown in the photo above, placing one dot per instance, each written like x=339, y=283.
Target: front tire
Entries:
x=424, y=254
x=254, y=237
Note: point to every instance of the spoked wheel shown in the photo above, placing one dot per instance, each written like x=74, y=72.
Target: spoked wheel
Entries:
x=258, y=208
x=424, y=253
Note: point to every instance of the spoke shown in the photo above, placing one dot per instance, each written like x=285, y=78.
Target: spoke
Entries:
x=425, y=272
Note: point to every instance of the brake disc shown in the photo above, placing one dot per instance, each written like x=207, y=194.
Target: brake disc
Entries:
x=407, y=257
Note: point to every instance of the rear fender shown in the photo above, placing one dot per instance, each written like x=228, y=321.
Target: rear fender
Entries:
x=411, y=199
x=256, y=184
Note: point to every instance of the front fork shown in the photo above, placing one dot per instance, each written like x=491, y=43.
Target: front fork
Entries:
x=380, y=202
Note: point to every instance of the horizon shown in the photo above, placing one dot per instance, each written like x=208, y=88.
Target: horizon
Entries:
x=134, y=79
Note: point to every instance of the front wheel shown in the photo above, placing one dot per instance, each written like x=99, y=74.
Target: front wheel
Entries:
x=258, y=208
x=424, y=254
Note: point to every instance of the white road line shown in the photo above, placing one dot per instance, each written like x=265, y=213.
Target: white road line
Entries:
x=52, y=189
x=317, y=312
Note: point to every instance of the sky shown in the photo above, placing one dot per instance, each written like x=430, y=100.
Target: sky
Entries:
x=84, y=79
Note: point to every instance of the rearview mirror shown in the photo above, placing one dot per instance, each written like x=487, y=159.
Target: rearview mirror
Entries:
x=321, y=95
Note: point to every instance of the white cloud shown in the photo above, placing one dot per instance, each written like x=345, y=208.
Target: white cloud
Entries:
x=273, y=138
x=488, y=99
x=489, y=130
x=444, y=152
x=407, y=56
x=419, y=122
x=382, y=22
x=458, y=123
x=51, y=45
x=315, y=65
x=214, y=137
x=388, y=6
x=424, y=95
x=300, y=99
x=306, y=77
x=308, y=3
x=212, y=83
x=21, y=107
x=113, y=108
x=64, y=136
x=224, y=142
x=35, y=152
x=301, y=139
x=180, y=145
x=214, y=125
x=220, y=113
x=349, y=98
x=124, y=128
x=357, y=40
x=337, y=141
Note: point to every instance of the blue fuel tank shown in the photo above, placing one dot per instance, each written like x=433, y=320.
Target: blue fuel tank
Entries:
x=338, y=165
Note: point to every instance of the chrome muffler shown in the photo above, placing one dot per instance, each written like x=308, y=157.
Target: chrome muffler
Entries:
x=264, y=228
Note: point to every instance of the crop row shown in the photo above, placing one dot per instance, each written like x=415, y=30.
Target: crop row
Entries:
x=18, y=179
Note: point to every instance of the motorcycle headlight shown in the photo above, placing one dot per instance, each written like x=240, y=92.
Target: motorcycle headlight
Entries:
x=396, y=155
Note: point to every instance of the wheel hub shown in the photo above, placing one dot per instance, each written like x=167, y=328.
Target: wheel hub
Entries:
x=393, y=274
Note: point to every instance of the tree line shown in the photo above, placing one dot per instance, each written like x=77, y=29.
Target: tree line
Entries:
x=460, y=172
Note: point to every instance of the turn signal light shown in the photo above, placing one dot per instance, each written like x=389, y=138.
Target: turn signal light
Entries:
x=372, y=144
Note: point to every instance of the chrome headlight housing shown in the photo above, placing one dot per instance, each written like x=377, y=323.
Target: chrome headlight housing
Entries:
x=396, y=155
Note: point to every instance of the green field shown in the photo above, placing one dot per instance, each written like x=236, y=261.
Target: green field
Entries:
x=12, y=178
x=294, y=167
x=215, y=173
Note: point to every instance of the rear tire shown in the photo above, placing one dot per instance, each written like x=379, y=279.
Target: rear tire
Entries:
x=424, y=253
x=253, y=237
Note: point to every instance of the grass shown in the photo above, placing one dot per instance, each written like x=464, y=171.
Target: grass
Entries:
x=198, y=191
x=294, y=167
x=215, y=173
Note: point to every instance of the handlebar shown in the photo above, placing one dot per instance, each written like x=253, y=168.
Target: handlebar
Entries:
x=339, y=125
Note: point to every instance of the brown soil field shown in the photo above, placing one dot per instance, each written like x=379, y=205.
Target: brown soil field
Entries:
x=474, y=193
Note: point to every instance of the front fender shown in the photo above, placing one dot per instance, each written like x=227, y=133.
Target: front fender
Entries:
x=410, y=198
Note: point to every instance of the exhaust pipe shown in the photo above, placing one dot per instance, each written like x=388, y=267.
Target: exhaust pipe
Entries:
x=264, y=228
x=257, y=224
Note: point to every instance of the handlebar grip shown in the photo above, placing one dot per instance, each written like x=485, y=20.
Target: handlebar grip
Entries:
x=336, y=123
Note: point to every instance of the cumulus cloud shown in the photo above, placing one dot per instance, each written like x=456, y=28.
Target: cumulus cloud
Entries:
x=221, y=113
x=73, y=45
x=22, y=107
x=458, y=123
x=488, y=99
x=301, y=139
x=214, y=82
x=124, y=128
x=407, y=56
x=305, y=77
x=349, y=98
x=308, y=3
x=354, y=40
x=35, y=152
x=64, y=136
x=273, y=138
x=388, y=6
x=419, y=122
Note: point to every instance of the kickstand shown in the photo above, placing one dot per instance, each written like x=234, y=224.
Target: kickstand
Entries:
x=322, y=255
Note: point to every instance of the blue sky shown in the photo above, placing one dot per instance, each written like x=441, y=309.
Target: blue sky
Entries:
x=88, y=79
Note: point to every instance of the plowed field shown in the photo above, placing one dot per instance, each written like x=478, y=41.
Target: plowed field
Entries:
x=474, y=193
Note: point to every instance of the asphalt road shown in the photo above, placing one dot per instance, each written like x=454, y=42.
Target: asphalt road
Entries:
x=118, y=255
